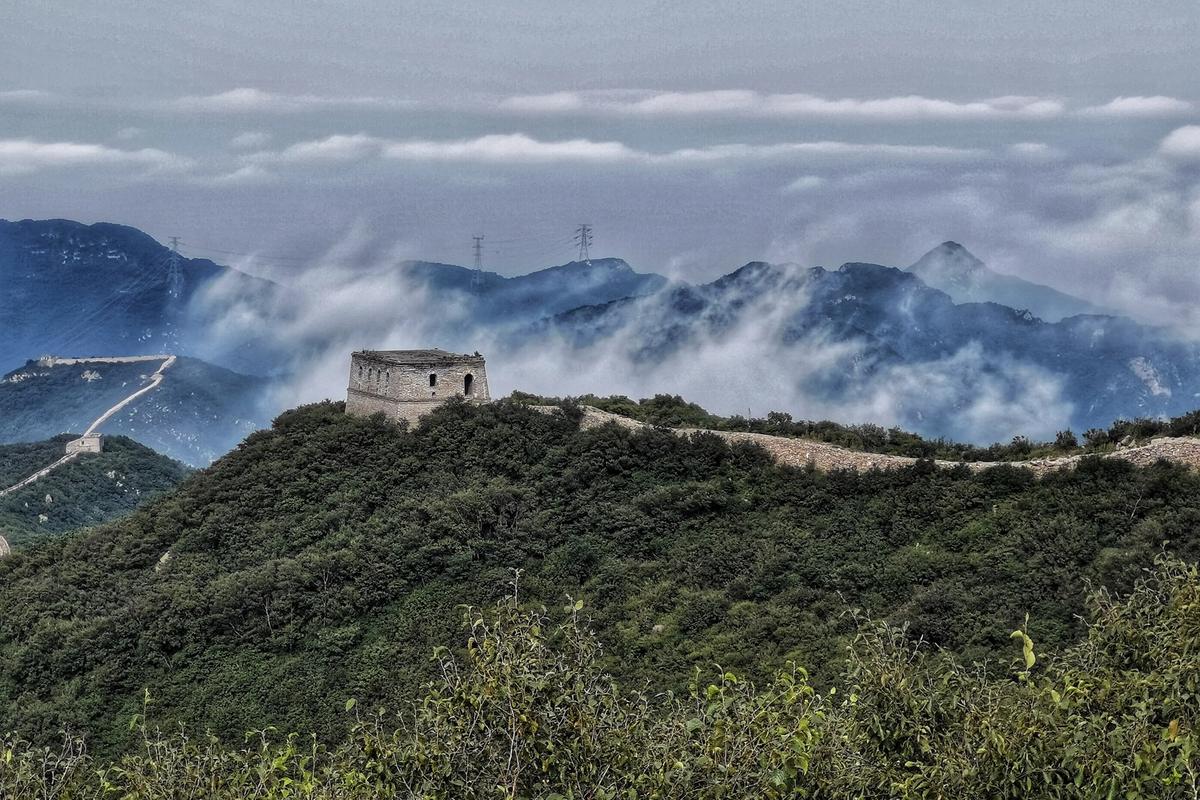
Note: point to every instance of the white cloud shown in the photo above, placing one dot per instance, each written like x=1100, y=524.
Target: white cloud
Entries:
x=22, y=156
x=1182, y=143
x=248, y=140
x=805, y=183
x=717, y=102
x=339, y=147
x=511, y=148
x=542, y=103
x=749, y=103
x=913, y=107
x=520, y=148
x=245, y=175
x=25, y=96
x=745, y=102
x=1034, y=151
x=250, y=100
x=1139, y=106
x=827, y=149
x=126, y=134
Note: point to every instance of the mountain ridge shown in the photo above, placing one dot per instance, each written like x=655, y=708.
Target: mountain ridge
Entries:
x=101, y=288
x=195, y=415
x=859, y=330
x=540, y=292
x=1108, y=367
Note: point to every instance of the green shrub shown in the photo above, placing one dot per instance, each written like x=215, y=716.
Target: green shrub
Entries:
x=527, y=712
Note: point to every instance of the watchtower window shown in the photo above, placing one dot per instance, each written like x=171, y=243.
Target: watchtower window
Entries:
x=432, y=379
x=469, y=385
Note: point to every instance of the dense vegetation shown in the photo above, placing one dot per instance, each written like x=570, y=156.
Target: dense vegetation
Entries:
x=326, y=557
x=530, y=714
x=18, y=461
x=38, y=401
x=92, y=489
x=672, y=411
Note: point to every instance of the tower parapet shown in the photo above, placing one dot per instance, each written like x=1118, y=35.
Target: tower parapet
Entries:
x=407, y=384
x=88, y=443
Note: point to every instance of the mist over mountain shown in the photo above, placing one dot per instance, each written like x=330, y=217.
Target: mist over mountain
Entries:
x=946, y=347
x=953, y=269
x=878, y=343
x=104, y=289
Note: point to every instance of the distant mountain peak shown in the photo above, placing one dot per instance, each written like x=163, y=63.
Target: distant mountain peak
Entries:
x=752, y=272
x=948, y=258
x=957, y=272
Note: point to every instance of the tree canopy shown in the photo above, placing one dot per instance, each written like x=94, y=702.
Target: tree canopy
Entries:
x=327, y=556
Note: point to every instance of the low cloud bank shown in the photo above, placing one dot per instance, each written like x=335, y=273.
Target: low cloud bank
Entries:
x=342, y=304
x=24, y=156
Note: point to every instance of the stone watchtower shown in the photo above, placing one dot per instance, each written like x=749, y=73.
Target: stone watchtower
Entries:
x=405, y=384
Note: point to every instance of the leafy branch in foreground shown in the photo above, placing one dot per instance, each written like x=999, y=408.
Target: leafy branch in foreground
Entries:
x=528, y=713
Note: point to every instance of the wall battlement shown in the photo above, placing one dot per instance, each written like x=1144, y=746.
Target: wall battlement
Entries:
x=88, y=443
x=407, y=384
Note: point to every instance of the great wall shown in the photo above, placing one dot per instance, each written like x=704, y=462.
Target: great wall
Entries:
x=805, y=452
x=90, y=442
x=405, y=384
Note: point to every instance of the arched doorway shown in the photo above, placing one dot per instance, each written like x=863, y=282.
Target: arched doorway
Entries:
x=469, y=385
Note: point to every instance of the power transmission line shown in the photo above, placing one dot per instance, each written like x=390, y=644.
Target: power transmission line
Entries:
x=255, y=256
x=583, y=235
x=477, y=276
x=174, y=271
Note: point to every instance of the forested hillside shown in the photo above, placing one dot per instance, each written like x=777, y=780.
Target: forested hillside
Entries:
x=528, y=712
x=196, y=414
x=326, y=557
x=92, y=489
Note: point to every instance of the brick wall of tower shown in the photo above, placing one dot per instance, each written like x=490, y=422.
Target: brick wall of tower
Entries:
x=405, y=391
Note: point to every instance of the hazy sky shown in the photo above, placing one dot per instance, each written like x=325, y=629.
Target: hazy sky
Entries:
x=1059, y=141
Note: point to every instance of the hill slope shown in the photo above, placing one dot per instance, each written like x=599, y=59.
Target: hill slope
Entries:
x=92, y=489
x=196, y=414
x=325, y=557
x=102, y=289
